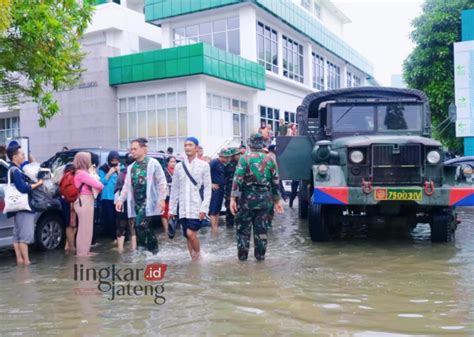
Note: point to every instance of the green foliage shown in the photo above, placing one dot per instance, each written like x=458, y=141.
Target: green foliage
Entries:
x=4, y=14
x=430, y=67
x=40, y=51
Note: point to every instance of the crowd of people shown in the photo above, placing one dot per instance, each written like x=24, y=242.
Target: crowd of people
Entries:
x=188, y=193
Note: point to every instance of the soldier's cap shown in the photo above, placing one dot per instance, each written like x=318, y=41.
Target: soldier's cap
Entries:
x=256, y=141
x=234, y=150
x=225, y=153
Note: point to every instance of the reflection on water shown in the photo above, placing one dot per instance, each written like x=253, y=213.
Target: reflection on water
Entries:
x=358, y=287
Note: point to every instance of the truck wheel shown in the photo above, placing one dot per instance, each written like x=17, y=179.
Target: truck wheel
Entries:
x=49, y=233
x=318, y=223
x=442, y=226
x=303, y=200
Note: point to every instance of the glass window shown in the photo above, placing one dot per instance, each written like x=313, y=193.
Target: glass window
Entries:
x=152, y=123
x=223, y=34
x=350, y=118
x=163, y=116
x=122, y=105
x=220, y=41
x=267, y=47
x=334, y=75
x=172, y=123
x=142, y=124
x=220, y=25
x=395, y=117
x=318, y=71
x=236, y=125
x=349, y=79
x=205, y=28
x=293, y=60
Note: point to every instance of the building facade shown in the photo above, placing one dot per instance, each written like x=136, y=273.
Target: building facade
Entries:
x=214, y=69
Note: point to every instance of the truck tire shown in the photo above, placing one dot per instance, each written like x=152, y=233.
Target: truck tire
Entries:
x=318, y=223
x=303, y=200
x=50, y=233
x=443, y=226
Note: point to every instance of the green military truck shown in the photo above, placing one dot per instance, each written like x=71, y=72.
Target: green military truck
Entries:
x=364, y=157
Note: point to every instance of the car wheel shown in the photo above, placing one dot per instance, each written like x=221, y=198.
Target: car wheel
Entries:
x=443, y=226
x=50, y=233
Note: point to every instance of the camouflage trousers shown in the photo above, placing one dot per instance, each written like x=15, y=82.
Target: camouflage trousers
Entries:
x=247, y=219
x=146, y=237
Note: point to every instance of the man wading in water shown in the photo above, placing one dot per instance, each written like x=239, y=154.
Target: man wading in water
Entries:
x=145, y=190
x=191, y=190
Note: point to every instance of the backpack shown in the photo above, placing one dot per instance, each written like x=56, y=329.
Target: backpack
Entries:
x=67, y=188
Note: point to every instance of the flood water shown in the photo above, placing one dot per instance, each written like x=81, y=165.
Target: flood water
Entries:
x=355, y=287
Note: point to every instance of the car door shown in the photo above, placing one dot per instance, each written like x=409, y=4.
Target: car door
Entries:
x=6, y=225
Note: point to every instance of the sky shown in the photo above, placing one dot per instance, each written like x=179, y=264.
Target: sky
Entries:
x=380, y=30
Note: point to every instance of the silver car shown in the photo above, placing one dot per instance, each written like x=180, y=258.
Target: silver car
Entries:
x=49, y=230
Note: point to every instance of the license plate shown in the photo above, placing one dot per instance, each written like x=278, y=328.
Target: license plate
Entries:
x=398, y=194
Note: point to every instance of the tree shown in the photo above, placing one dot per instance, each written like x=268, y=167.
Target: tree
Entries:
x=430, y=66
x=40, y=50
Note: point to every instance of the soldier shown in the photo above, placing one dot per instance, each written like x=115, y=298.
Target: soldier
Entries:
x=229, y=176
x=255, y=186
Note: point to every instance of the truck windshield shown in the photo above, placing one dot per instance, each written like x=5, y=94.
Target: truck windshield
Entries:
x=396, y=117
x=349, y=118
x=388, y=117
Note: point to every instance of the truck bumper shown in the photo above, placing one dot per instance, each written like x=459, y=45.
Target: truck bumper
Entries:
x=441, y=196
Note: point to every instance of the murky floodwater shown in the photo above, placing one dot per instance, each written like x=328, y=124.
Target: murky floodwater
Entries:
x=358, y=287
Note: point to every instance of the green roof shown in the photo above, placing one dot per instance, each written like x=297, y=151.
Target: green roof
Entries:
x=182, y=61
x=286, y=10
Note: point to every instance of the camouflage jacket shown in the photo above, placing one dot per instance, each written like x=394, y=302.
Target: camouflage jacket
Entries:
x=256, y=181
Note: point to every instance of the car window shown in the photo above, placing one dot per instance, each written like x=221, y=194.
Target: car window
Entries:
x=395, y=117
x=353, y=118
x=62, y=159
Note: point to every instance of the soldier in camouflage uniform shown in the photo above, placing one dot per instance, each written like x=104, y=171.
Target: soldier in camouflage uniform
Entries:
x=255, y=187
x=229, y=177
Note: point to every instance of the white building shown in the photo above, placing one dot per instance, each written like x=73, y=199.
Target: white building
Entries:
x=214, y=69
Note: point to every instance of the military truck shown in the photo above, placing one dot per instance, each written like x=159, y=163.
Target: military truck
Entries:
x=364, y=157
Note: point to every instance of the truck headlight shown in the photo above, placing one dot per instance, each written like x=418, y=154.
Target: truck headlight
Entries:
x=433, y=157
x=356, y=157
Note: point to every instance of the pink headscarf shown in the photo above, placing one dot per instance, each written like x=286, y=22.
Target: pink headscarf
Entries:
x=82, y=161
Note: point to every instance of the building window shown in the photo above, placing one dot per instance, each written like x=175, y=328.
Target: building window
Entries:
x=270, y=116
x=293, y=59
x=317, y=10
x=334, y=76
x=161, y=118
x=318, y=72
x=349, y=79
x=267, y=47
x=306, y=4
x=223, y=34
x=356, y=82
x=225, y=116
x=9, y=128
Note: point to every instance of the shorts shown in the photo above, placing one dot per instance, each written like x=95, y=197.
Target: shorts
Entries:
x=166, y=210
x=192, y=224
x=217, y=199
x=24, y=227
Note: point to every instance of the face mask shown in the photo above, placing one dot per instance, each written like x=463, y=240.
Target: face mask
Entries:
x=114, y=165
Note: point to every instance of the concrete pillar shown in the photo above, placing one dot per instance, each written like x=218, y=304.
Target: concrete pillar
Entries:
x=248, y=33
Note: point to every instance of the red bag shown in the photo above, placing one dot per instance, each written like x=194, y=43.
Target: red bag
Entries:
x=67, y=188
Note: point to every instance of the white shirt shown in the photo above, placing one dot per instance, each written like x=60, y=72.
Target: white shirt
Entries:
x=184, y=193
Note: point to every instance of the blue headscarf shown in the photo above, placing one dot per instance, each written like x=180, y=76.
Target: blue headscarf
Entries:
x=192, y=139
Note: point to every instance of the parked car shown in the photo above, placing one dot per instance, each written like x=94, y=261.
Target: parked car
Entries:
x=49, y=230
x=460, y=161
x=99, y=157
